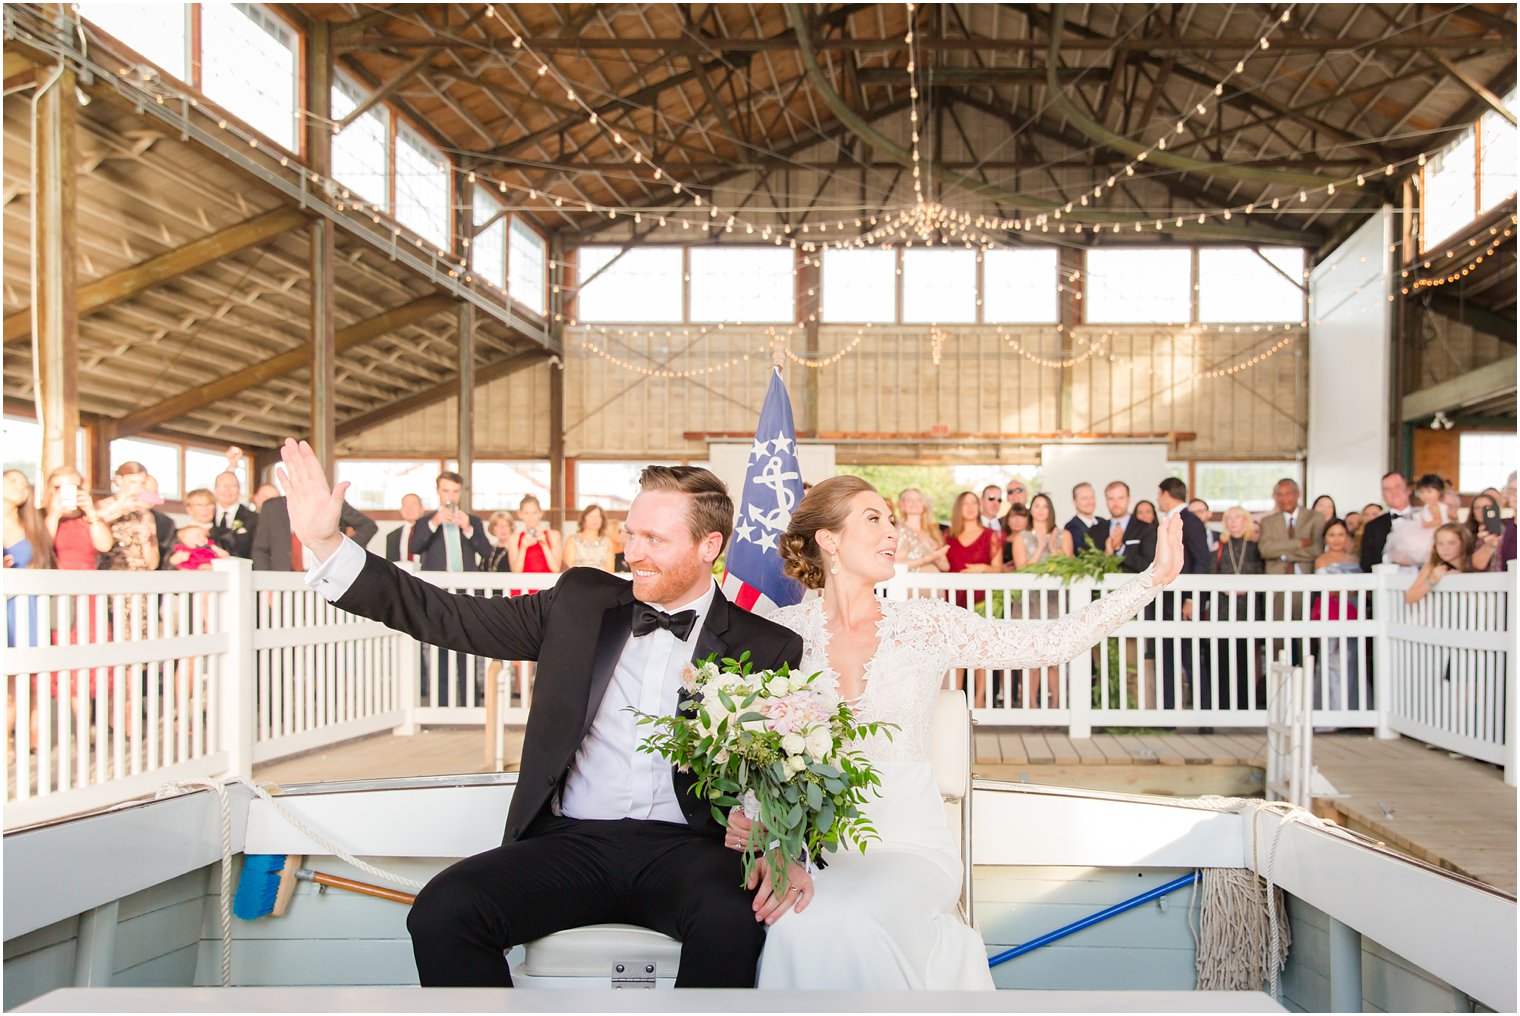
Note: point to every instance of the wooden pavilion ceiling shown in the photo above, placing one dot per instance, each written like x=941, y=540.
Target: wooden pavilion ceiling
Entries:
x=717, y=94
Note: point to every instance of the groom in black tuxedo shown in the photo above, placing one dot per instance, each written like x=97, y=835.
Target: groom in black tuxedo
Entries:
x=597, y=832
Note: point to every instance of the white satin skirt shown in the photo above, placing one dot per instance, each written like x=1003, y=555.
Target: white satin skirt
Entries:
x=888, y=918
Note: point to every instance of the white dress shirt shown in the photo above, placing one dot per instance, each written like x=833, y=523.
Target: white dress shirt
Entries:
x=609, y=778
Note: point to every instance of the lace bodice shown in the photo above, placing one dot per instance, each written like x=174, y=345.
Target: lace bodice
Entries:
x=919, y=639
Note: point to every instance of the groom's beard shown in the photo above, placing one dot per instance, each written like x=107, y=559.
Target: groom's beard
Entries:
x=668, y=585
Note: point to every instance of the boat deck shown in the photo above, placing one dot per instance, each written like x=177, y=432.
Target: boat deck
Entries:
x=1431, y=804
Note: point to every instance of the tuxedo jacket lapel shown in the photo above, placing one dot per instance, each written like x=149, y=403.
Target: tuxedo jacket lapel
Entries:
x=617, y=624
x=710, y=639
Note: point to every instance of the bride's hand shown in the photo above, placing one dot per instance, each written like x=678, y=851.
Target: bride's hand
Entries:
x=738, y=830
x=768, y=909
x=1169, y=560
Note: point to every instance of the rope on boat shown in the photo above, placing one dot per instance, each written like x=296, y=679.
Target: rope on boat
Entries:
x=219, y=787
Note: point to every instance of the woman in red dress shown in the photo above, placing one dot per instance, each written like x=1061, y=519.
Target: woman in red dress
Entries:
x=974, y=549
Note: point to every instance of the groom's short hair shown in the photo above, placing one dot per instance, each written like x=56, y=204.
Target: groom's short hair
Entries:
x=712, y=510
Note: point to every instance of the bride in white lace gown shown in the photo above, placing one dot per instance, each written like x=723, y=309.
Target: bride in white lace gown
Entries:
x=889, y=918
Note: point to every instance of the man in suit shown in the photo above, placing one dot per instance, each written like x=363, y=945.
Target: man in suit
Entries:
x=597, y=831
x=165, y=529
x=398, y=542
x=1375, y=533
x=234, y=522
x=991, y=503
x=1199, y=507
x=452, y=540
x=275, y=543
x=1133, y=542
x=1086, y=524
x=1171, y=499
x=1293, y=536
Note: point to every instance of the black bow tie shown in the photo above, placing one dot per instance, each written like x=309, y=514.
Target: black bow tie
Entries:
x=646, y=619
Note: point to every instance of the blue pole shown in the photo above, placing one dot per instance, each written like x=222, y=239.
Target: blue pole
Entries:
x=1087, y=922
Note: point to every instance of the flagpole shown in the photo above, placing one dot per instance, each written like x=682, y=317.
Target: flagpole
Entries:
x=778, y=350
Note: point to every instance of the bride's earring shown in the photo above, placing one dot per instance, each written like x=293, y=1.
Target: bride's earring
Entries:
x=834, y=570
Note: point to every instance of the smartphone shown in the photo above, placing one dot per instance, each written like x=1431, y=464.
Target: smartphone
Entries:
x=1492, y=522
x=450, y=505
x=151, y=498
x=68, y=496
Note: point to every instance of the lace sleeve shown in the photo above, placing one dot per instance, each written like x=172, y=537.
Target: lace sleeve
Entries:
x=972, y=640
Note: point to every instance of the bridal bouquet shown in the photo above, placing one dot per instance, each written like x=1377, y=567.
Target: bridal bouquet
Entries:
x=776, y=744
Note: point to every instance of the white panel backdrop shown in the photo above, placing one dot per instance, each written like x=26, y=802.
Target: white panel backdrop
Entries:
x=1062, y=467
x=1350, y=348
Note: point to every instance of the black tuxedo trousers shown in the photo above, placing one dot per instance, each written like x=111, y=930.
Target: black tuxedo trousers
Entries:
x=553, y=873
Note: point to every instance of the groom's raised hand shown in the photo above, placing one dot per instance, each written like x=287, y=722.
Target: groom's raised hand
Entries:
x=314, y=508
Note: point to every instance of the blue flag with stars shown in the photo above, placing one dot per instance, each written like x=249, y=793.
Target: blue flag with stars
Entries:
x=772, y=491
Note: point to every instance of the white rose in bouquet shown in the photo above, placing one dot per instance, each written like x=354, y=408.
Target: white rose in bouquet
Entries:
x=796, y=763
x=819, y=742
x=793, y=744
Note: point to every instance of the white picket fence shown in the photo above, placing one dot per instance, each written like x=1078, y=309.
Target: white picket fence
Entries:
x=138, y=679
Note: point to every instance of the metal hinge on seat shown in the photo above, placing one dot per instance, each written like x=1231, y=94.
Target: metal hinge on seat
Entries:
x=633, y=975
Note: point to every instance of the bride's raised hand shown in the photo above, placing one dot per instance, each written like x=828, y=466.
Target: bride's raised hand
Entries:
x=1169, y=559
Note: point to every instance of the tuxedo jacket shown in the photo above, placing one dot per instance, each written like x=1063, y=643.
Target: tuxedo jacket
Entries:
x=551, y=627
x=1080, y=531
x=1273, y=542
x=238, y=543
x=1139, y=546
x=432, y=546
x=393, y=548
x=271, y=541
x=1375, y=538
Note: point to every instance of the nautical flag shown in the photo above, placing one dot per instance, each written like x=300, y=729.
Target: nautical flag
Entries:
x=772, y=490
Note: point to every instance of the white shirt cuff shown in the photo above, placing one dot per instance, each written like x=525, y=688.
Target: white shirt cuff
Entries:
x=332, y=577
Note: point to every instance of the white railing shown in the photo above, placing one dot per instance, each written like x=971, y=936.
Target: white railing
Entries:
x=164, y=675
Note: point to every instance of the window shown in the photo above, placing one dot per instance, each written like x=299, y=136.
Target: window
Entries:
x=361, y=152
x=488, y=247
x=1486, y=460
x=1496, y=163
x=248, y=66
x=160, y=459
x=609, y=484
x=1139, y=286
x=496, y=485
x=1248, y=484
x=859, y=286
x=160, y=32
x=1239, y=284
x=23, y=446
x=939, y=286
x=1449, y=200
x=742, y=284
x=526, y=254
x=202, y=467
x=422, y=188
x=1020, y=287
x=642, y=284
x=380, y=484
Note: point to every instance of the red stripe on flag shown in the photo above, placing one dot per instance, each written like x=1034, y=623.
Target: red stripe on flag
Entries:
x=747, y=597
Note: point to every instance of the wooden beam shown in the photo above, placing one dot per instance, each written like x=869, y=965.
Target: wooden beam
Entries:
x=155, y=271
x=438, y=393
x=401, y=77
x=1463, y=390
x=1479, y=319
x=1474, y=86
x=277, y=366
x=56, y=350
x=322, y=347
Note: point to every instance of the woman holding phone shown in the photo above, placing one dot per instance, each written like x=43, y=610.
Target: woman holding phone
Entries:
x=134, y=539
x=1486, y=525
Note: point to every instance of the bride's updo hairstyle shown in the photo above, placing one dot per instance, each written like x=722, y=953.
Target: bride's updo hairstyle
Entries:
x=826, y=506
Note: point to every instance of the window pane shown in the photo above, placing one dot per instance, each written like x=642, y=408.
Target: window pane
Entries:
x=422, y=188
x=1449, y=202
x=159, y=459
x=612, y=485
x=361, y=152
x=1139, y=286
x=642, y=285
x=157, y=31
x=1236, y=284
x=939, y=285
x=488, y=248
x=23, y=446
x=859, y=286
x=497, y=485
x=380, y=484
x=248, y=66
x=1486, y=460
x=742, y=284
x=202, y=467
x=1248, y=484
x=1020, y=287
x=526, y=259
x=1497, y=161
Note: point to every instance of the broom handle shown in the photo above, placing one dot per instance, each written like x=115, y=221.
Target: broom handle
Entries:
x=380, y=892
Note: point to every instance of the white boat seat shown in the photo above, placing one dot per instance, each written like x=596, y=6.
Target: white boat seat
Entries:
x=631, y=956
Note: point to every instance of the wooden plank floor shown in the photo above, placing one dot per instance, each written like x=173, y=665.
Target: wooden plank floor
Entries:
x=1450, y=811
